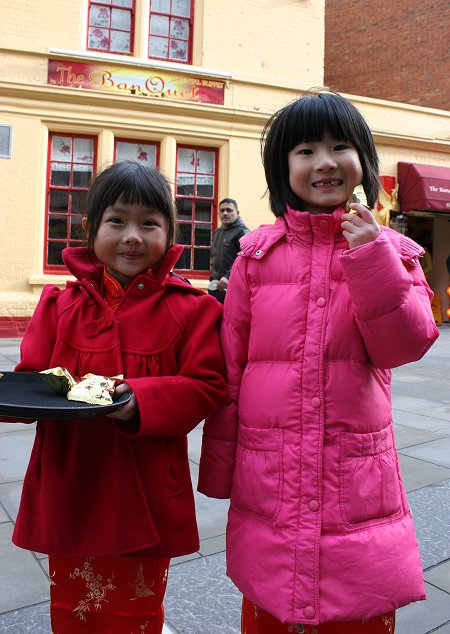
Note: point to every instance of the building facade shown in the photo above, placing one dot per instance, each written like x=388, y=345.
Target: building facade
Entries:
x=185, y=85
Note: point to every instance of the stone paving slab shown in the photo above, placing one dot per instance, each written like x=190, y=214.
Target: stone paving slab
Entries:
x=26, y=582
x=421, y=421
x=15, y=449
x=436, y=452
x=439, y=576
x=417, y=474
x=422, y=617
x=430, y=510
x=408, y=436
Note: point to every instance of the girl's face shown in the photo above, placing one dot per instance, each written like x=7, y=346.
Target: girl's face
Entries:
x=130, y=239
x=323, y=174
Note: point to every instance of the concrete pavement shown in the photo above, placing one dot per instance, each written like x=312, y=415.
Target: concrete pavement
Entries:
x=200, y=598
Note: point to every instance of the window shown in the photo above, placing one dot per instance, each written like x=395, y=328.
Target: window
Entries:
x=6, y=141
x=196, y=201
x=70, y=170
x=111, y=25
x=144, y=152
x=170, y=33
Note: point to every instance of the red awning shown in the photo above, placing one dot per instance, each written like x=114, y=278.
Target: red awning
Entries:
x=423, y=187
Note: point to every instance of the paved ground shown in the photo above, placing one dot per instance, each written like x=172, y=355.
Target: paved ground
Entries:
x=200, y=598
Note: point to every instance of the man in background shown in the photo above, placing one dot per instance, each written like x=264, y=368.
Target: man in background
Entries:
x=225, y=247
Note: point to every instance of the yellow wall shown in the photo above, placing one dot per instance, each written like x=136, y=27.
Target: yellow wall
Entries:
x=272, y=50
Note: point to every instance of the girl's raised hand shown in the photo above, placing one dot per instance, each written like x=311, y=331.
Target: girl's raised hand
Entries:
x=359, y=228
x=127, y=411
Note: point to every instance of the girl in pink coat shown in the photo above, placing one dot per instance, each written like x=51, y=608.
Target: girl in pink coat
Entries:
x=320, y=306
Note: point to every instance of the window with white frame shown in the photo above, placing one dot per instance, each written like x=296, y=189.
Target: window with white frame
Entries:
x=196, y=201
x=142, y=151
x=111, y=26
x=170, y=32
x=71, y=164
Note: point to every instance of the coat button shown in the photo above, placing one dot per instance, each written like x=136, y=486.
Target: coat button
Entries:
x=314, y=505
x=309, y=612
x=141, y=285
x=321, y=302
x=315, y=402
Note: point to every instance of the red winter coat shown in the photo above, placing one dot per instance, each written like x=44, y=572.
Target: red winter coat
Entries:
x=91, y=487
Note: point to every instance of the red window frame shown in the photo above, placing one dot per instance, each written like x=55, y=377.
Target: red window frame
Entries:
x=173, y=39
x=70, y=215
x=111, y=5
x=196, y=223
x=138, y=142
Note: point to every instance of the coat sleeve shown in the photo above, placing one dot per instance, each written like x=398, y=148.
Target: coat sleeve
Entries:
x=220, y=430
x=174, y=405
x=391, y=299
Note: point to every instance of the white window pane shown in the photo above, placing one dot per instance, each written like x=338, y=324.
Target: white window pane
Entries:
x=99, y=16
x=120, y=41
x=162, y=6
x=181, y=7
x=99, y=38
x=121, y=20
x=186, y=160
x=158, y=47
x=179, y=28
x=178, y=50
x=103, y=1
x=159, y=25
x=205, y=162
x=61, y=148
x=83, y=151
x=145, y=154
x=124, y=3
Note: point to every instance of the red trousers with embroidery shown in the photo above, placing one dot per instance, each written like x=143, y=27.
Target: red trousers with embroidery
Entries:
x=258, y=621
x=107, y=595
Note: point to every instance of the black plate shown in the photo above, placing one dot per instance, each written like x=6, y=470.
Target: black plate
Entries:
x=27, y=395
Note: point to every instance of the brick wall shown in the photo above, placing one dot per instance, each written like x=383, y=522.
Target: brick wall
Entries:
x=397, y=51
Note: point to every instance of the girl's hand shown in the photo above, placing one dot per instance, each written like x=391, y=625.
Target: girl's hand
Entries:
x=359, y=228
x=127, y=411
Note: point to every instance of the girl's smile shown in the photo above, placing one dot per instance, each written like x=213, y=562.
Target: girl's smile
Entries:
x=323, y=174
x=130, y=239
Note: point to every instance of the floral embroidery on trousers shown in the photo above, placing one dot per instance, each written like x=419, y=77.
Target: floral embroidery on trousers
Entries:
x=107, y=595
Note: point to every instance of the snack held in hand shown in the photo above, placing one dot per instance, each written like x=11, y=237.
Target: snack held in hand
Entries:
x=94, y=389
x=91, y=388
x=358, y=196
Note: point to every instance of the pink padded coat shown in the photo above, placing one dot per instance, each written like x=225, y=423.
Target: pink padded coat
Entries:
x=319, y=525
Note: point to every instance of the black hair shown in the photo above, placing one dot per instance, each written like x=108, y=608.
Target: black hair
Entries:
x=229, y=200
x=131, y=183
x=309, y=119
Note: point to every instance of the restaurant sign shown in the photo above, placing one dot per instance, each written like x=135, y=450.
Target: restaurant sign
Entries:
x=136, y=81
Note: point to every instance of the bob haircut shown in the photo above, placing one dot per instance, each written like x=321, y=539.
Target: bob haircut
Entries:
x=131, y=183
x=309, y=119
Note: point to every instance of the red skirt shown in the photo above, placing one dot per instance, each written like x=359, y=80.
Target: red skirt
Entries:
x=107, y=595
x=258, y=621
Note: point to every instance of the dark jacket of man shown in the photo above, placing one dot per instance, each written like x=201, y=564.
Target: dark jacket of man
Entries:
x=225, y=247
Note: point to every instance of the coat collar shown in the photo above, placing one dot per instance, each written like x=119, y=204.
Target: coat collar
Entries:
x=293, y=225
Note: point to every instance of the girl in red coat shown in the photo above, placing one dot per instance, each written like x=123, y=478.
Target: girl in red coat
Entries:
x=110, y=498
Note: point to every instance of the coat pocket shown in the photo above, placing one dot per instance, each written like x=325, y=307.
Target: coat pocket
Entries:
x=369, y=480
x=258, y=474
